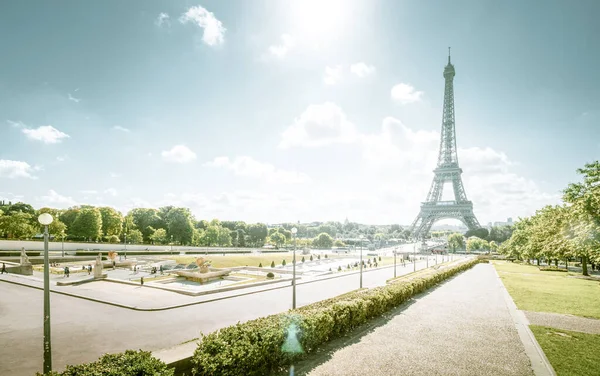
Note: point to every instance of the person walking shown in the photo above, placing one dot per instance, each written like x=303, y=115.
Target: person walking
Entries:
x=4, y=269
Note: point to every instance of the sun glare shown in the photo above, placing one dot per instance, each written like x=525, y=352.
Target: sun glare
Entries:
x=319, y=20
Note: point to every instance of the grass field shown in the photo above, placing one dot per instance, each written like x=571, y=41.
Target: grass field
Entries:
x=558, y=292
x=228, y=261
x=570, y=353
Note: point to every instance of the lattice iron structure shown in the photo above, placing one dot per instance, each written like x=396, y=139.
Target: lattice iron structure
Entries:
x=447, y=170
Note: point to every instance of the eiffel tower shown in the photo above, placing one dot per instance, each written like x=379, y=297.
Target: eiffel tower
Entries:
x=447, y=170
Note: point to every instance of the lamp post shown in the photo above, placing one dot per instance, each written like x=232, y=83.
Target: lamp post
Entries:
x=45, y=219
x=294, y=231
x=125, y=241
x=415, y=255
x=63, y=244
x=171, y=244
x=361, y=237
x=395, y=262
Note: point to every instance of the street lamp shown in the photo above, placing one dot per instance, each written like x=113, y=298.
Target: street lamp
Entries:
x=63, y=244
x=125, y=241
x=361, y=237
x=415, y=255
x=294, y=231
x=171, y=245
x=45, y=219
x=395, y=250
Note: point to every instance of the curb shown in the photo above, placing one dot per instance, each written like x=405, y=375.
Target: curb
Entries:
x=539, y=362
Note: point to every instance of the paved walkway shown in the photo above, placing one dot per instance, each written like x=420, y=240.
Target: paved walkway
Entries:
x=462, y=327
x=565, y=322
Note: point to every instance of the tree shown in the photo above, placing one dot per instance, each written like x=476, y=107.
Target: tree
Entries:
x=481, y=233
x=493, y=246
x=277, y=239
x=211, y=236
x=258, y=233
x=584, y=198
x=475, y=244
x=135, y=237
x=456, y=241
x=159, y=236
x=88, y=224
x=145, y=220
x=68, y=217
x=324, y=241
x=241, y=237
x=223, y=238
x=17, y=225
x=339, y=243
x=179, y=225
x=112, y=221
x=303, y=259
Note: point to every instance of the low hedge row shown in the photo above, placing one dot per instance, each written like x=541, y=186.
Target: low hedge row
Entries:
x=129, y=363
x=270, y=344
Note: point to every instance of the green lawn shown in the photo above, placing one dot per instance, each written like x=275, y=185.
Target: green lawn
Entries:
x=535, y=290
x=570, y=353
x=228, y=261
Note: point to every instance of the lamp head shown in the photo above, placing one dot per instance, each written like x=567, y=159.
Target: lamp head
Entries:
x=45, y=219
x=294, y=230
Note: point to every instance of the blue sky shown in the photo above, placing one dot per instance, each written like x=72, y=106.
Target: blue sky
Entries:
x=284, y=110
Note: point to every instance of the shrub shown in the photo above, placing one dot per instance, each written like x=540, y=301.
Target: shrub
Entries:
x=283, y=262
x=311, y=257
x=260, y=265
x=270, y=275
x=260, y=347
x=318, y=257
x=552, y=269
x=339, y=268
x=272, y=264
x=129, y=363
x=303, y=259
x=379, y=258
x=325, y=256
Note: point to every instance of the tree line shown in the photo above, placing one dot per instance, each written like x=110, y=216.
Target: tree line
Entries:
x=563, y=232
x=177, y=225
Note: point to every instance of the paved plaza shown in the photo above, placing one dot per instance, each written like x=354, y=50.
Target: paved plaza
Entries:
x=463, y=327
x=100, y=327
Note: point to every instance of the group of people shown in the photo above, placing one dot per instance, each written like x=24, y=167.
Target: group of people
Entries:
x=153, y=270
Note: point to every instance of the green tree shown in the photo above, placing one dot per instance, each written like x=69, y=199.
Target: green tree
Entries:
x=481, y=233
x=179, y=225
x=277, y=239
x=224, y=238
x=68, y=217
x=17, y=225
x=475, y=244
x=57, y=228
x=339, y=243
x=135, y=237
x=324, y=241
x=493, y=246
x=159, y=236
x=456, y=241
x=258, y=233
x=88, y=224
x=211, y=236
x=112, y=221
x=146, y=220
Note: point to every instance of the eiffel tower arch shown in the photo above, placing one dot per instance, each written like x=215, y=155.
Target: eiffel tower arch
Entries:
x=447, y=170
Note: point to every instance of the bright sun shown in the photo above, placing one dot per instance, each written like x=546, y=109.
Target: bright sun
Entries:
x=319, y=20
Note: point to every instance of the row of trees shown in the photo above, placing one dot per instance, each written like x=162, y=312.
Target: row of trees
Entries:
x=562, y=232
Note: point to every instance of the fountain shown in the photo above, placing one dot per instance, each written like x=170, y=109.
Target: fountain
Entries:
x=204, y=274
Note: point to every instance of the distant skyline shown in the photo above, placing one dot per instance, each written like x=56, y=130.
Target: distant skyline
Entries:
x=293, y=111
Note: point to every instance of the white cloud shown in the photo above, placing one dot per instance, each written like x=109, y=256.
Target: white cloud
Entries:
x=61, y=158
x=280, y=50
x=115, y=175
x=15, y=124
x=214, y=32
x=249, y=167
x=362, y=70
x=72, y=98
x=15, y=169
x=319, y=125
x=163, y=19
x=179, y=154
x=53, y=198
x=405, y=93
x=46, y=133
x=333, y=75
x=111, y=191
x=122, y=129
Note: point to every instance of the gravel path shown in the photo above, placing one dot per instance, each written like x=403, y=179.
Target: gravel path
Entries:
x=566, y=322
x=462, y=327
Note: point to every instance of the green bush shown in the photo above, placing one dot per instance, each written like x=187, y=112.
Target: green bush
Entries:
x=129, y=363
x=270, y=275
x=272, y=264
x=260, y=265
x=266, y=345
x=283, y=262
x=552, y=269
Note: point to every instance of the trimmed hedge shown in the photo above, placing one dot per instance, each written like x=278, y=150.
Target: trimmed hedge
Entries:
x=129, y=363
x=270, y=344
x=552, y=269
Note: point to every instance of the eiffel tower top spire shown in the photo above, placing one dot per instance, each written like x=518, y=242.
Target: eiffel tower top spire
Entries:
x=447, y=156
